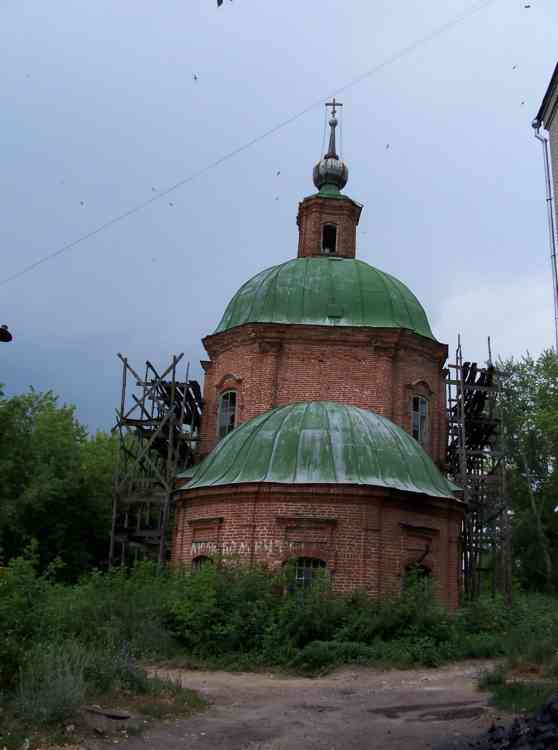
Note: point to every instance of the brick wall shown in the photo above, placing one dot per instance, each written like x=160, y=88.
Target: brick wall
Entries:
x=273, y=365
x=366, y=536
x=314, y=212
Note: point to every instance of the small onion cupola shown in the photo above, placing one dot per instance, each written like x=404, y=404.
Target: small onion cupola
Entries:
x=328, y=219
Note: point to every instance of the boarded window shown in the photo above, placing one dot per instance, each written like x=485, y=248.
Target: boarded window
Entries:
x=419, y=419
x=227, y=414
x=329, y=239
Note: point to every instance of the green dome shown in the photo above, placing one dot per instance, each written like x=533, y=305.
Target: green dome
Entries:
x=321, y=442
x=328, y=292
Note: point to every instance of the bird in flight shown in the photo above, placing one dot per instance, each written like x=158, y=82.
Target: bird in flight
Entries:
x=195, y=77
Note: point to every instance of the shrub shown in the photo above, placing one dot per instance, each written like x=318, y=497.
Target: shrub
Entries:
x=487, y=614
x=521, y=697
x=51, y=684
x=320, y=656
x=107, y=671
x=490, y=679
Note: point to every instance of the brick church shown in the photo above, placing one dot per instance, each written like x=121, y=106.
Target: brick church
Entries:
x=323, y=437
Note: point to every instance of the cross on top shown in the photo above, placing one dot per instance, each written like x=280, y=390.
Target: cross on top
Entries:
x=333, y=104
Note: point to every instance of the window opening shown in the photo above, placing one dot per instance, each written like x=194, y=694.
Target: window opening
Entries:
x=305, y=569
x=329, y=239
x=227, y=414
x=199, y=561
x=419, y=419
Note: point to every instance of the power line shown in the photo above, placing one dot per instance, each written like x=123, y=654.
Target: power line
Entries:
x=455, y=21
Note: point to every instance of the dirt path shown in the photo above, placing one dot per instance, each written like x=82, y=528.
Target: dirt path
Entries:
x=357, y=708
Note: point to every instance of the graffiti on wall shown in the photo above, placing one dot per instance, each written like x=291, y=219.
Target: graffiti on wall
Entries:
x=271, y=548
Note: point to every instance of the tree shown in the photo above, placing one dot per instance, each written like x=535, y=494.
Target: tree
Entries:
x=531, y=429
x=55, y=483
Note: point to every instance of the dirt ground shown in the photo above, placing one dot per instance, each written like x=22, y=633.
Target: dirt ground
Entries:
x=357, y=708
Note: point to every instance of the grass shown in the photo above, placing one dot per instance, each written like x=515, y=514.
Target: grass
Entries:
x=159, y=700
x=521, y=697
x=512, y=691
x=164, y=699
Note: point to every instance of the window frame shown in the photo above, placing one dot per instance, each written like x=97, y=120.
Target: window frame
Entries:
x=423, y=431
x=222, y=395
x=304, y=564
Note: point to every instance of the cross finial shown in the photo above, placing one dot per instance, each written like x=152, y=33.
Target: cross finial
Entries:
x=333, y=104
x=332, y=151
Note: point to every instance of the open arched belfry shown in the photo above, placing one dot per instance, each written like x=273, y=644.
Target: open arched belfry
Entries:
x=324, y=430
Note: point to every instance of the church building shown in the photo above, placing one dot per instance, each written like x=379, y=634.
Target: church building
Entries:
x=324, y=436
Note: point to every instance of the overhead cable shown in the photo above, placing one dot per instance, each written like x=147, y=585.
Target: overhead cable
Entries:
x=455, y=21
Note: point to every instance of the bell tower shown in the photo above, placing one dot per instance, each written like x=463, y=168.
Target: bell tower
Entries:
x=327, y=220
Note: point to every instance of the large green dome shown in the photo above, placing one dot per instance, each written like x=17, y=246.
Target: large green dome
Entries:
x=329, y=291
x=322, y=442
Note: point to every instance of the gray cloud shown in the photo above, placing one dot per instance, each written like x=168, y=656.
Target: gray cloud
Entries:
x=101, y=107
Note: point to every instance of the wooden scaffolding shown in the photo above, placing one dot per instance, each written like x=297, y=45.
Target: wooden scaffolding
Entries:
x=157, y=425
x=476, y=462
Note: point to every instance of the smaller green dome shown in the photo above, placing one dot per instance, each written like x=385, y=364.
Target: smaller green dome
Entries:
x=326, y=291
x=322, y=442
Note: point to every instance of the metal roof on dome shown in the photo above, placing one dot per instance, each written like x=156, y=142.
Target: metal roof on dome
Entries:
x=322, y=442
x=328, y=291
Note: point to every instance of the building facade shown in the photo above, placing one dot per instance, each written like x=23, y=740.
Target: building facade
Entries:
x=324, y=430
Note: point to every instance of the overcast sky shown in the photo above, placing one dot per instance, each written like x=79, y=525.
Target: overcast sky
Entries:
x=101, y=111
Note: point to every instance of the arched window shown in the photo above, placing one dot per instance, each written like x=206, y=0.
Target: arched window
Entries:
x=199, y=561
x=329, y=239
x=306, y=568
x=420, y=419
x=226, y=418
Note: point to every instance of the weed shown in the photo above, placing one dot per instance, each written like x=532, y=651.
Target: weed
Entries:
x=51, y=685
x=521, y=697
x=491, y=679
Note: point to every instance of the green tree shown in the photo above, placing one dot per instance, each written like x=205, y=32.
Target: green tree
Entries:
x=531, y=428
x=55, y=483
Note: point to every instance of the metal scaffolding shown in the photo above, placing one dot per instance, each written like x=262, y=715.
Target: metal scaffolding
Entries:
x=157, y=425
x=476, y=462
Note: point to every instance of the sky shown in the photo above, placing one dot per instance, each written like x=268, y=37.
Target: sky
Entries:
x=102, y=112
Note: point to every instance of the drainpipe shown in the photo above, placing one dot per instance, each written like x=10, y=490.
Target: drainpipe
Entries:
x=551, y=223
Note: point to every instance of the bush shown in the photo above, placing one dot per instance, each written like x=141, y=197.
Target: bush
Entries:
x=485, y=615
x=51, y=684
x=239, y=617
x=324, y=655
x=490, y=679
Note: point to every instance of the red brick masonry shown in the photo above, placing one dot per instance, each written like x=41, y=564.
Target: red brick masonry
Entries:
x=366, y=536
x=270, y=365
